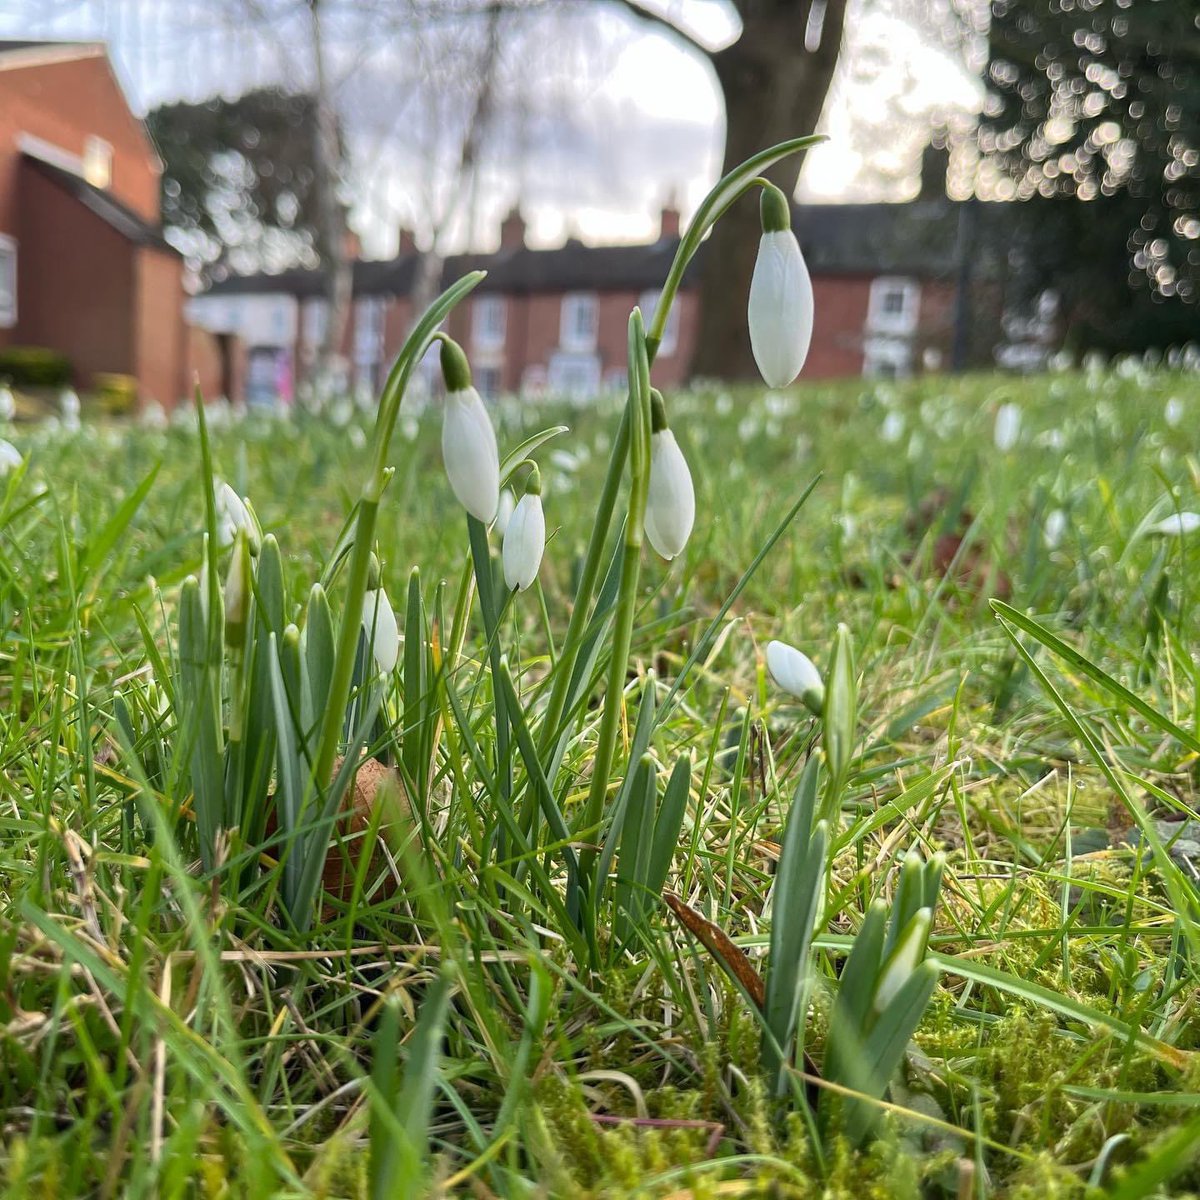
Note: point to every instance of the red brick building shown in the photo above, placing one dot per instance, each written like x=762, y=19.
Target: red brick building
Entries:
x=84, y=269
x=554, y=321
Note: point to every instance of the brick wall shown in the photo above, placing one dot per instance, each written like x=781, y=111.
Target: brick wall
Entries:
x=158, y=327
x=76, y=282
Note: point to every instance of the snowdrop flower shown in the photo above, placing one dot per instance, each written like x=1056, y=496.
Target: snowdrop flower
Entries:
x=1176, y=525
x=379, y=626
x=1173, y=411
x=504, y=511
x=233, y=514
x=671, y=500
x=892, y=429
x=468, y=440
x=10, y=457
x=781, y=298
x=8, y=403
x=524, y=537
x=1008, y=427
x=1053, y=528
x=69, y=406
x=796, y=674
x=237, y=592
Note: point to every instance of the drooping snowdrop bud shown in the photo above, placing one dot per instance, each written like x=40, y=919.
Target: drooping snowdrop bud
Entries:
x=781, y=296
x=504, y=511
x=237, y=592
x=1176, y=525
x=234, y=514
x=1053, y=528
x=795, y=673
x=525, y=537
x=671, y=500
x=69, y=406
x=379, y=626
x=10, y=457
x=468, y=440
x=1008, y=427
x=8, y=403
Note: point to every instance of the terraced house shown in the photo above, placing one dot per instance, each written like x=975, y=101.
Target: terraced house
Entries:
x=885, y=277
x=84, y=269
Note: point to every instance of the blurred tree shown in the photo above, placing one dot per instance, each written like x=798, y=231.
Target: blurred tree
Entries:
x=238, y=181
x=774, y=78
x=1097, y=105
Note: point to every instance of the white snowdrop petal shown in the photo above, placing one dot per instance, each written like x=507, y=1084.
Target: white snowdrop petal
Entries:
x=10, y=456
x=793, y=670
x=1176, y=525
x=780, y=309
x=470, y=454
x=504, y=511
x=379, y=625
x=524, y=543
x=671, y=501
x=1008, y=427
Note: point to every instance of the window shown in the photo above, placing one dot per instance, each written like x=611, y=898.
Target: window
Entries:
x=574, y=376
x=893, y=305
x=368, y=330
x=887, y=358
x=97, y=162
x=8, y=282
x=487, y=322
x=580, y=318
x=316, y=321
x=648, y=303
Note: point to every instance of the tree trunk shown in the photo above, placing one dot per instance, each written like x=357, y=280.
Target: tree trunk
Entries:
x=339, y=279
x=774, y=89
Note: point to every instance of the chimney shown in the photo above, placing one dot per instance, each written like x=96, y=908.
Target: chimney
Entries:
x=351, y=245
x=668, y=221
x=935, y=163
x=512, y=230
x=408, y=242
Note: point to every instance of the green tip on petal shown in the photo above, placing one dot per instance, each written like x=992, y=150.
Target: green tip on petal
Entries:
x=774, y=210
x=456, y=371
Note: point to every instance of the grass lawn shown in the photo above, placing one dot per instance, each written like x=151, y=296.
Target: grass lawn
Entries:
x=489, y=996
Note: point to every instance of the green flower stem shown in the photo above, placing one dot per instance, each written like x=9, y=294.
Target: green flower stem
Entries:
x=638, y=410
x=587, y=585
x=364, y=530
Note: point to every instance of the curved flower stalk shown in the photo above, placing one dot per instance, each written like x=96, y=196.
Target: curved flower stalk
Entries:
x=671, y=499
x=525, y=537
x=468, y=439
x=780, y=309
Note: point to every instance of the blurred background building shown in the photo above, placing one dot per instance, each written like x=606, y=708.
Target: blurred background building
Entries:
x=1003, y=178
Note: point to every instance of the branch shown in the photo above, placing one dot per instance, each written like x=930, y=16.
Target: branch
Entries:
x=636, y=8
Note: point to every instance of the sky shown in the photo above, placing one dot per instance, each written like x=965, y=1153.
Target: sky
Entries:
x=606, y=118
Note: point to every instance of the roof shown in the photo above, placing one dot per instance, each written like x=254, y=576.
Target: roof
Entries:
x=17, y=46
x=129, y=224
x=915, y=238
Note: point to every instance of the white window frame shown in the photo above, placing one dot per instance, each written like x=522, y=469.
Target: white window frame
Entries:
x=902, y=322
x=489, y=322
x=572, y=336
x=97, y=161
x=8, y=267
x=648, y=303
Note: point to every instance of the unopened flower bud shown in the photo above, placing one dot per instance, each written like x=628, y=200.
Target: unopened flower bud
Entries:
x=671, y=500
x=379, y=626
x=468, y=440
x=525, y=537
x=795, y=673
x=780, y=311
